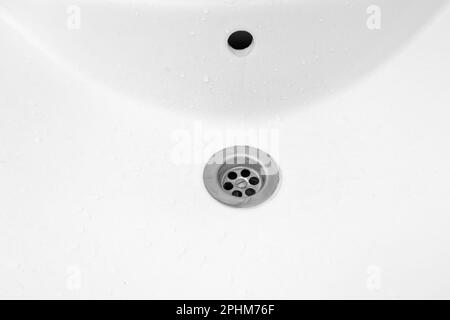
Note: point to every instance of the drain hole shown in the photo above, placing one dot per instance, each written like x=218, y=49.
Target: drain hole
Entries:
x=232, y=175
x=228, y=186
x=245, y=173
x=241, y=176
x=240, y=40
x=237, y=193
x=249, y=192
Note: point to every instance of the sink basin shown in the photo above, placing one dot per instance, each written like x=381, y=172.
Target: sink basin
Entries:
x=110, y=110
x=175, y=52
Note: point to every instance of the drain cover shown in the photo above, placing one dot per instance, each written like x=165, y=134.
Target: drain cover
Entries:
x=241, y=176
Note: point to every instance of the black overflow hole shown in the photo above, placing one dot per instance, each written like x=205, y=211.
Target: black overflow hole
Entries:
x=240, y=40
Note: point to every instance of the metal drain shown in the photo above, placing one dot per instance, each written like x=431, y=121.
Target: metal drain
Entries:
x=241, y=176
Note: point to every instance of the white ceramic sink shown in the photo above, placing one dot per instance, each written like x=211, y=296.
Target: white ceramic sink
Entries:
x=109, y=111
x=174, y=52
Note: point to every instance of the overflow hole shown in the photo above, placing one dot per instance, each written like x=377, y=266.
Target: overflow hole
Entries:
x=240, y=40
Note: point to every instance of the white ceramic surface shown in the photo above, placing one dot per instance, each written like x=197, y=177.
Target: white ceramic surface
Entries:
x=110, y=109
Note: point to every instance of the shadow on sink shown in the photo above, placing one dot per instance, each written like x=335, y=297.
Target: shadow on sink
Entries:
x=177, y=56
